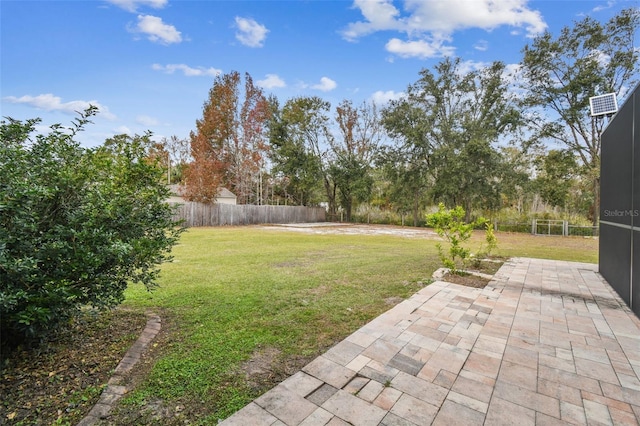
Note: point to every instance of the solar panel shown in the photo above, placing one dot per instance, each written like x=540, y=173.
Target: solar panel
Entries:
x=603, y=104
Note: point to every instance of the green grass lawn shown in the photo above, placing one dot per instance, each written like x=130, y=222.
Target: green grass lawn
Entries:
x=282, y=298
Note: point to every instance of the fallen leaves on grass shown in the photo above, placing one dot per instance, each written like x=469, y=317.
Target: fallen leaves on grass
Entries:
x=60, y=381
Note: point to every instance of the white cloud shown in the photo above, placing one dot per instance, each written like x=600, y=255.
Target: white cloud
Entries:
x=418, y=48
x=382, y=98
x=250, y=33
x=132, y=5
x=42, y=129
x=271, y=81
x=380, y=15
x=120, y=130
x=156, y=30
x=145, y=120
x=600, y=8
x=443, y=17
x=187, y=70
x=600, y=57
x=481, y=45
x=325, y=85
x=428, y=24
x=49, y=102
x=466, y=67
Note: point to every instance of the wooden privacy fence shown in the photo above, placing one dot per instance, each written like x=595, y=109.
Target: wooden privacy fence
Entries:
x=198, y=214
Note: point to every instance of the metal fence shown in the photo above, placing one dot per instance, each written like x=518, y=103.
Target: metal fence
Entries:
x=548, y=227
x=198, y=214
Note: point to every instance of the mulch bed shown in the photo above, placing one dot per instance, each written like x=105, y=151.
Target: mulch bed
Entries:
x=466, y=280
x=59, y=381
x=470, y=280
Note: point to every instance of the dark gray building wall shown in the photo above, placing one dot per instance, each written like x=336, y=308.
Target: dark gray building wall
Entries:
x=619, y=243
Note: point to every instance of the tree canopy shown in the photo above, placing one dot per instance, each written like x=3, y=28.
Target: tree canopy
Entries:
x=561, y=73
x=353, y=150
x=448, y=125
x=230, y=141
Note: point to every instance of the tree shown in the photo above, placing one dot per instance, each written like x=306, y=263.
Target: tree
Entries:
x=450, y=226
x=449, y=122
x=229, y=144
x=469, y=114
x=157, y=154
x=309, y=122
x=561, y=74
x=249, y=150
x=353, y=180
x=294, y=163
x=406, y=164
x=556, y=170
x=301, y=138
x=469, y=174
x=354, y=147
x=76, y=225
x=517, y=191
x=209, y=143
x=179, y=153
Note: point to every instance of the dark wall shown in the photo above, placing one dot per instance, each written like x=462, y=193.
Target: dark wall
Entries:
x=620, y=202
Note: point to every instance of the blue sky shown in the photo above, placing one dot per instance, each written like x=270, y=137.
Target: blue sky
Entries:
x=149, y=64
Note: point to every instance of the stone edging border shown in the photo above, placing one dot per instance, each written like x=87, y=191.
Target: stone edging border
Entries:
x=439, y=274
x=115, y=386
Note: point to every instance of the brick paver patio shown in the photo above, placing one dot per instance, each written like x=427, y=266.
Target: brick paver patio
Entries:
x=546, y=342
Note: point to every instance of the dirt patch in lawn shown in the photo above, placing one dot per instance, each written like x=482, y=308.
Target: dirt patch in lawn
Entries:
x=393, y=301
x=260, y=368
x=269, y=366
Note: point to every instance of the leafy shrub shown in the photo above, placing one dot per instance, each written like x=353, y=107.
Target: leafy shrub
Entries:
x=450, y=225
x=76, y=224
x=492, y=243
x=490, y=238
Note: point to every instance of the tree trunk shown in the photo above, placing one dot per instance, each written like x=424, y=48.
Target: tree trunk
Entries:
x=467, y=211
x=348, y=210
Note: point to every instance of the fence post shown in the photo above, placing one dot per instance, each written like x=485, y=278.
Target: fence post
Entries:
x=533, y=226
